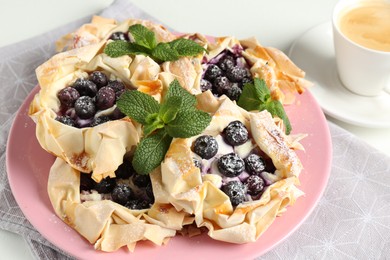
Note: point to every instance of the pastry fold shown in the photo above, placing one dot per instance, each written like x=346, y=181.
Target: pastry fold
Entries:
x=101, y=148
x=282, y=76
x=101, y=28
x=199, y=194
x=104, y=223
x=186, y=70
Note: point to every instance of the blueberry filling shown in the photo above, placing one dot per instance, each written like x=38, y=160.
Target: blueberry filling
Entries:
x=245, y=170
x=119, y=36
x=82, y=102
x=127, y=189
x=226, y=74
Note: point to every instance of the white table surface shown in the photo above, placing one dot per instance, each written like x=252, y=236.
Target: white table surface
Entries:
x=274, y=23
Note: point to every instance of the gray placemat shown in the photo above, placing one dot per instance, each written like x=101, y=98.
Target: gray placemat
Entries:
x=351, y=221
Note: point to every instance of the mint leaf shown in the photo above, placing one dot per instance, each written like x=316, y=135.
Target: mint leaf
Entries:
x=150, y=128
x=185, y=47
x=276, y=109
x=150, y=152
x=145, y=43
x=188, y=100
x=164, y=52
x=253, y=95
x=137, y=105
x=188, y=123
x=170, y=108
x=119, y=48
x=262, y=90
x=257, y=96
x=143, y=36
x=175, y=117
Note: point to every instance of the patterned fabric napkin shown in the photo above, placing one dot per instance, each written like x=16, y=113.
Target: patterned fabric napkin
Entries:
x=352, y=220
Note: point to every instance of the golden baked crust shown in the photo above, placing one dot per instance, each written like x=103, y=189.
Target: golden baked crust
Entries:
x=200, y=195
x=104, y=223
x=101, y=148
x=183, y=196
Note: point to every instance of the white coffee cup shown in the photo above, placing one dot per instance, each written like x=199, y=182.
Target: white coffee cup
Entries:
x=362, y=70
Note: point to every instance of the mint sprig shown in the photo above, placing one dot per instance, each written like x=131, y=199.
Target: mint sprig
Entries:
x=138, y=106
x=175, y=117
x=257, y=96
x=145, y=43
x=150, y=152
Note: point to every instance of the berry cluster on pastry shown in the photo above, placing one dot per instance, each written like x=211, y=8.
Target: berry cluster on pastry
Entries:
x=158, y=134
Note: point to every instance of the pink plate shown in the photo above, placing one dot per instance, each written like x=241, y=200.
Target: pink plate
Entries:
x=28, y=168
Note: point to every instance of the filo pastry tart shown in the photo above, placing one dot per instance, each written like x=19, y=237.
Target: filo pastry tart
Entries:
x=230, y=63
x=92, y=136
x=236, y=177
x=101, y=28
x=101, y=220
x=187, y=70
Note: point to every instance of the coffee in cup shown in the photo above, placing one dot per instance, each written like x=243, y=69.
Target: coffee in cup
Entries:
x=367, y=24
x=361, y=31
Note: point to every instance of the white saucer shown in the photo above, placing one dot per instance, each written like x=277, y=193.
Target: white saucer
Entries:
x=313, y=52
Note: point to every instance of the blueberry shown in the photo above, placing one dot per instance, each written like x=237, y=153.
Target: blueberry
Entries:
x=86, y=182
x=99, y=78
x=132, y=204
x=118, y=94
x=212, y=72
x=141, y=180
x=144, y=204
x=236, y=133
x=235, y=190
x=118, y=36
x=85, y=87
x=234, y=92
x=68, y=96
x=269, y=166
x=222, y=85
x=67, y=120
x=197, y=163
x=121, y=193
x=254, y=164
x=206, y=146
x=236, y=74
x=106, y=185
x=149, y=192
x=254, y=184
x=116, y=85
x=230, y=165
x=105, y=98
x=137, y=204
x=100, y=120
x=244, y=81
x=85, y=107
x=226, y=62
x=116, y=114
x=125, y=170
x=205, y=85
